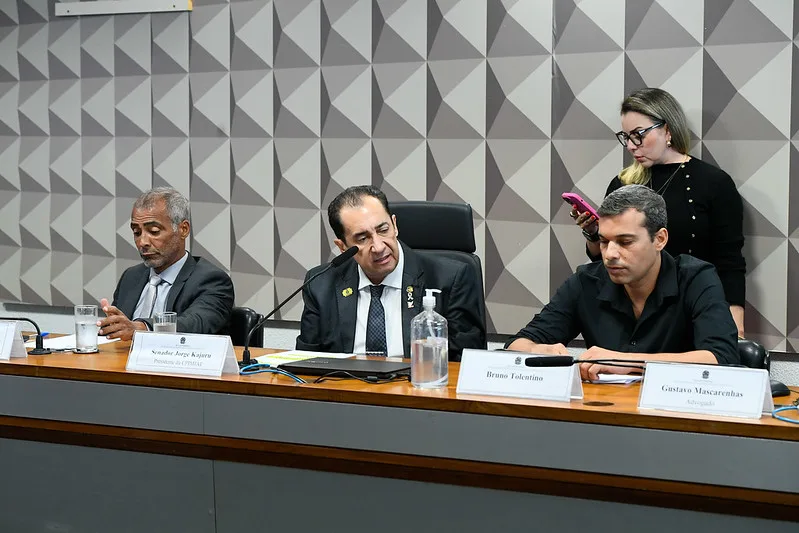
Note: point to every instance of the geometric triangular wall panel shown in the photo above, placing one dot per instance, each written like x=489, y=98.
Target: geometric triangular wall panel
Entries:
x=262, y=111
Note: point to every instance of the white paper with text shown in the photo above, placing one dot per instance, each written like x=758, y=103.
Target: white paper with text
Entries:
x=11, y=343
x=182, y=353
x=66, y=342
x=706, y=389
x=505, y=374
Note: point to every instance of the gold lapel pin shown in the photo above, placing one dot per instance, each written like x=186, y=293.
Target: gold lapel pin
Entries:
x=346, y=292
x=409, y=292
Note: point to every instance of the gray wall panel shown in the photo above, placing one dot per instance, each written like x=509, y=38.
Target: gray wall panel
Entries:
x=262, y=111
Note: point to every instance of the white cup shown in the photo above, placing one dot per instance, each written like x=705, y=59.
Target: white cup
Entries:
x=86, y=329
x=165, y=322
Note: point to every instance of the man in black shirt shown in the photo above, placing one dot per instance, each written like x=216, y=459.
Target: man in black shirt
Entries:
x=639, y=303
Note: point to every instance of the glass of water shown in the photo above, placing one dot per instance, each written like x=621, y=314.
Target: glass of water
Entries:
x=165, y=322
x=86, y=329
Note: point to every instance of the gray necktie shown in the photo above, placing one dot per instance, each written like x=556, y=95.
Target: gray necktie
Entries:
x=150, y=297
x=376, y=323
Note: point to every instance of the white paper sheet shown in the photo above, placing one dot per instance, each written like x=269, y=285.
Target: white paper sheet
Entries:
x=292, y=356
x=618, y=378
x=66, y=342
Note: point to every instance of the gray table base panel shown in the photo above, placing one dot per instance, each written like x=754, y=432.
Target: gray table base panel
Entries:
x=102, y=403
x=281, y=499
x=670, y=455
x=70, y=489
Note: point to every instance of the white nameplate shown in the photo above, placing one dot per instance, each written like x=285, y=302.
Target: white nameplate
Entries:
x=706, y=389
x=11, y=343
x=504, y=374
x=182, y=353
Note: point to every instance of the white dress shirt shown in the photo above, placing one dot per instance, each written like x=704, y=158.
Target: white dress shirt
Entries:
x=168, y=277
x=392, y=302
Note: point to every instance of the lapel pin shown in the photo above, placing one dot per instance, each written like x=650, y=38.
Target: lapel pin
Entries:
x=409, y=292
x=346, y=292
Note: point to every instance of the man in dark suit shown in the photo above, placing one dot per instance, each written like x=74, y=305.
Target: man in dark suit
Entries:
x=169, y=279
x=366, y=306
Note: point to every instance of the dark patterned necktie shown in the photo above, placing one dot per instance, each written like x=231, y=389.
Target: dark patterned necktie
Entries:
x=376, y=323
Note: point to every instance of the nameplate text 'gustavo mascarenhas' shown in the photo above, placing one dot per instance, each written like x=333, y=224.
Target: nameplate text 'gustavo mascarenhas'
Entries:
x=505, y=374
x=182, y=353
x=706, y=389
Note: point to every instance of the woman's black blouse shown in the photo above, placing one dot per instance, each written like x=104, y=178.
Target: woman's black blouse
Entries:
x=705, y=219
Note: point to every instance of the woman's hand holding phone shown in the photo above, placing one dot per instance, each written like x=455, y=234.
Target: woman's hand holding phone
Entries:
x=586, y=217
x=586, y=221
x=590, y=227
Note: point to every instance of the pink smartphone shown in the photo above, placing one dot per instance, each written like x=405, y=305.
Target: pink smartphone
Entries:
x=581, y=205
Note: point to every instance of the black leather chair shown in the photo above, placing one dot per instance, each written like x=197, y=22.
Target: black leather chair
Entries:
x=242, y=320
x=443, y=229
x=755, y=355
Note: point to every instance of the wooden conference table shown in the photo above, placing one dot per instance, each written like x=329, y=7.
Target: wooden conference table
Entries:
x=176, y=453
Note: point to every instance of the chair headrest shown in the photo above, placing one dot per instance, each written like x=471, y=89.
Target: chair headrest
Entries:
x=435, y=225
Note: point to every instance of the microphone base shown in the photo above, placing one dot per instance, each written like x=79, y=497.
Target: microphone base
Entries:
x=40, y=351
x=246, y=358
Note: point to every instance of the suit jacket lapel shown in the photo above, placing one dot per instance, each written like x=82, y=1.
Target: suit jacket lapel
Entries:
x=180, y=281
x=412, y=289
x=347, y=302
x=129, y=296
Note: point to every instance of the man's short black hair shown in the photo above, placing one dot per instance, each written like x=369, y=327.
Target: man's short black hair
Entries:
x=352, y=197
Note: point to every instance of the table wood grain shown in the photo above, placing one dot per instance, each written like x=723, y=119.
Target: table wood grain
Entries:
x=612, y=404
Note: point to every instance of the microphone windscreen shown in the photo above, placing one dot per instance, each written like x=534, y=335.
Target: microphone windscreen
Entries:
x=344, y=256
x=549, y=361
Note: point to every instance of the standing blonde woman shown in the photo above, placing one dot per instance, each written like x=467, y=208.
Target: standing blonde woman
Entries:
x=705, y=212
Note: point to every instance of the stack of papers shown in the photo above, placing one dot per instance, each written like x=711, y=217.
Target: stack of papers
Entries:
x=67, y=342
x=618, y=378
x=293, y=356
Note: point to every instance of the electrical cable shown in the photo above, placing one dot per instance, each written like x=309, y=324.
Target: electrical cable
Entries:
x=782, y=408
x=340, y=375
x=260, y=368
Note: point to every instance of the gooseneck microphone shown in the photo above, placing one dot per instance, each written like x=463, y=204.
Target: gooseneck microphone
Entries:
x=339, y=260
x=39, y=349
x=549, y=361
x=546, y=361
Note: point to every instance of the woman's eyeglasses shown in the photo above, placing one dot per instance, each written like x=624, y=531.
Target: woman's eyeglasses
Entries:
x=637, y=136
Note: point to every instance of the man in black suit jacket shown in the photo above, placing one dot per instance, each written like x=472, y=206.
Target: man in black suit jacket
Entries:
x=200, y=293
x=335, y=315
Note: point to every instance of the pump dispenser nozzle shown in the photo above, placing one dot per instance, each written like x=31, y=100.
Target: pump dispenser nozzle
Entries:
x=429, y=300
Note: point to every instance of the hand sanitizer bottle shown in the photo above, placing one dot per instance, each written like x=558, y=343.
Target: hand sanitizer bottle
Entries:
x=429, y=346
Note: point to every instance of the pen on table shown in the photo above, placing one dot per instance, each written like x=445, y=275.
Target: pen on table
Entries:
x=26, y=338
